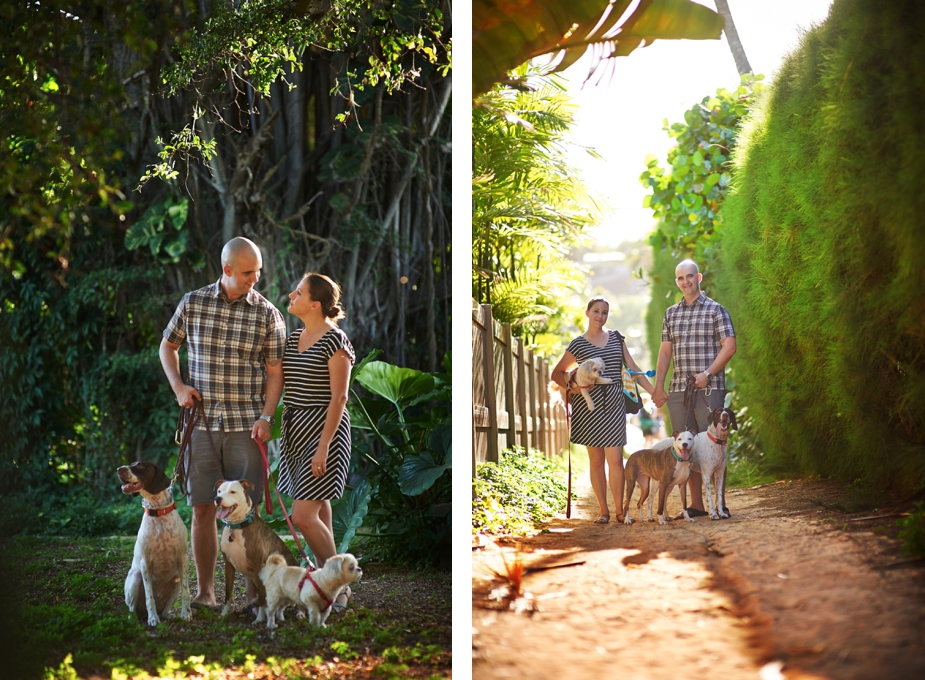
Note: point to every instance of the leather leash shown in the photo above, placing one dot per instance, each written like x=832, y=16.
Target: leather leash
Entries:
x=186, y=423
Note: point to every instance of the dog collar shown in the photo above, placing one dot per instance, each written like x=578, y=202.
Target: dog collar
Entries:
x=251, y=516
x=327, y=600
x=715, y=439
x=677, y=457
x=160, y=512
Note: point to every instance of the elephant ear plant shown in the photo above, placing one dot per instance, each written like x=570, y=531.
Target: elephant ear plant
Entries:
x=408, y=458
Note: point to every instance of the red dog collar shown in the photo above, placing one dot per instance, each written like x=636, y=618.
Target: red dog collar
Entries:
x=308, y=575
x=718, y=441
x=160, y=512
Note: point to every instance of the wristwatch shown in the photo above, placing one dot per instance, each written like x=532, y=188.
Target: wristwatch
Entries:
x=706, y=373
x=269, y=419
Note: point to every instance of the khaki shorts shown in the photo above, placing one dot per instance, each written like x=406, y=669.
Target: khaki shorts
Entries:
x=702, y=408
x=240, y=457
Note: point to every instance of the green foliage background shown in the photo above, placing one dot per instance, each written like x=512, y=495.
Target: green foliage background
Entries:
x=821, y=265
x=319, y=149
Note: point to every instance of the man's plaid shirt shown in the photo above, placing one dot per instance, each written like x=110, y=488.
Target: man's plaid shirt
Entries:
x=229, y=342
x=695, y=332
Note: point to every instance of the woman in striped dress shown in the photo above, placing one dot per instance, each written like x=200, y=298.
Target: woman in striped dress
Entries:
x=315, y=445
x=603, y=430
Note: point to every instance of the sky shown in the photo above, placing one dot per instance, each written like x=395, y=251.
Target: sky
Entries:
x=622, y=116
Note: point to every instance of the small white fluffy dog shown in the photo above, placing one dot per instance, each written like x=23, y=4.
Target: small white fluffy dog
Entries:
x=315, y=590
x=588, y=374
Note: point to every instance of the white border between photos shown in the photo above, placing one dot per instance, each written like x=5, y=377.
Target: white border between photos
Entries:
x=462, y=339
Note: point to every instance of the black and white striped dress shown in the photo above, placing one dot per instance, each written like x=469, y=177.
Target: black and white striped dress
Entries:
x=305, y=407
x=606, y=424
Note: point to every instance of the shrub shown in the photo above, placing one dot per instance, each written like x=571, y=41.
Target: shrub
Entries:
x=520, y=490
x=912, y=532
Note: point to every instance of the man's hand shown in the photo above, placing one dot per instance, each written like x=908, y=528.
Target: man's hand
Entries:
x=701, y=381
x=261, y=430
x=660, y=397
x=186, y=395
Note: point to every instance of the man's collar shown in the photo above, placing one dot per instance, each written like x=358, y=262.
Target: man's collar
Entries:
x=701, y=299
x=219, y=292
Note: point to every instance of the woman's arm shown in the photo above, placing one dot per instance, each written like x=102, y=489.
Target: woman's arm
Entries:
x=560, y=372
x=339, y=368
x=633, y=366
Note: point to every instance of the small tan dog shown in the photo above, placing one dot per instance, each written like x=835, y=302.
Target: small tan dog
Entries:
x=588, y=374
x=315, y=590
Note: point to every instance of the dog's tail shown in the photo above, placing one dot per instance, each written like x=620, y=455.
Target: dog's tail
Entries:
x=274, y=562
x=555, y=394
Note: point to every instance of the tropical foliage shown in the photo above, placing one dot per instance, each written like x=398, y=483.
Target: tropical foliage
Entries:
x=505, y=35
x=347, y=179
x=408, y=461
x=529, y=204
x=686, y=196
x=822, y=251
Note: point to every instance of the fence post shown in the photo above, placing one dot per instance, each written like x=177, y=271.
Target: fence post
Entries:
x=507, y=363
x=521, y=395
x=488, y=367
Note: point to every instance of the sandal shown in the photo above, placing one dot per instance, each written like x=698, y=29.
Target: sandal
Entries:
x=338, y=607
x=620, y=518
x=603, y=519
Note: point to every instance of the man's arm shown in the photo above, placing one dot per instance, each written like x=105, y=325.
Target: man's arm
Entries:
x=169, y=354
x=274, y=390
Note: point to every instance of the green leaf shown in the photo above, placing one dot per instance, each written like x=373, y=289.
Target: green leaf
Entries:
x=394, y=383
x=177, y=213
x=418, y=473
x=348, y=513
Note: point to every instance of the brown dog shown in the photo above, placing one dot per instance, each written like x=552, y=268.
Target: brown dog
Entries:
x=246, y=540
x=669, y=467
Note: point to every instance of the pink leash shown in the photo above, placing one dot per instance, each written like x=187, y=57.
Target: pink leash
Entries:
x=262, y=445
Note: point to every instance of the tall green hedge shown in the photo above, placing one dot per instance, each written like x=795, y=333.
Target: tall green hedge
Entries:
x=823, y=261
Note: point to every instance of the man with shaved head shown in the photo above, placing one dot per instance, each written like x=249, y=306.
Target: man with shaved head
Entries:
x=235, y=339
x=697, y=334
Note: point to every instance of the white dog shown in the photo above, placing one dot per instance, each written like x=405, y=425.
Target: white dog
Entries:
x=315, y=590
x=588, y=374
x=159, y=575
x=708, y=457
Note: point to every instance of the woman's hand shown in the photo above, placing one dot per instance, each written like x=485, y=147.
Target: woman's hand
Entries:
x=320, y=461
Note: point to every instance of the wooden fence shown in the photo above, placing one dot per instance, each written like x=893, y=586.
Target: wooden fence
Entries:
x=510, y=404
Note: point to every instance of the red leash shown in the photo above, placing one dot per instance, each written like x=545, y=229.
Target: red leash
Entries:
x=262, y=445
x=568, y=425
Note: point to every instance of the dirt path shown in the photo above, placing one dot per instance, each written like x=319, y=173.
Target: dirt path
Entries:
x=788, y=587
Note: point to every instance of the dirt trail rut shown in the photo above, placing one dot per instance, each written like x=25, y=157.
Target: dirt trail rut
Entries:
x=788, y=587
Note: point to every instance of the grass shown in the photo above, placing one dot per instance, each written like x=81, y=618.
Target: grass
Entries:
x=65, y=617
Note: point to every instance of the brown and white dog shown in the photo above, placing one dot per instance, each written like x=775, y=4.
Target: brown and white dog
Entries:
x=669, y=467
x=315, y=589
x=588, y=374
x=159, y=574
x=708, y=457
x=246, y=540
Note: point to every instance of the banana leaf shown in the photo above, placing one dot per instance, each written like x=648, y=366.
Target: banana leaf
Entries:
x=506, y=33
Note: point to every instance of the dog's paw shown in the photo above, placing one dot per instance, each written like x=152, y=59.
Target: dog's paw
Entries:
x=153, y=620
x=688, y=517
x=226, y=610
x=628, y=519
x=661, y=519
x=186, y=614
x=604, y=381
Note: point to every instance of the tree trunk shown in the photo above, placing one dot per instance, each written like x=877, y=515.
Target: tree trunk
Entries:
x=732, y=37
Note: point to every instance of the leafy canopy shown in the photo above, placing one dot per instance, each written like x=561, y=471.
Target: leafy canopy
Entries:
x=529, y=204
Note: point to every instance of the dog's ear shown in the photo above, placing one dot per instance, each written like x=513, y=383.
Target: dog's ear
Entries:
x=219, y=483
x=246, y=484
x=159, y=480
x=676, y=433
x=732, y=419
x=336, y=562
